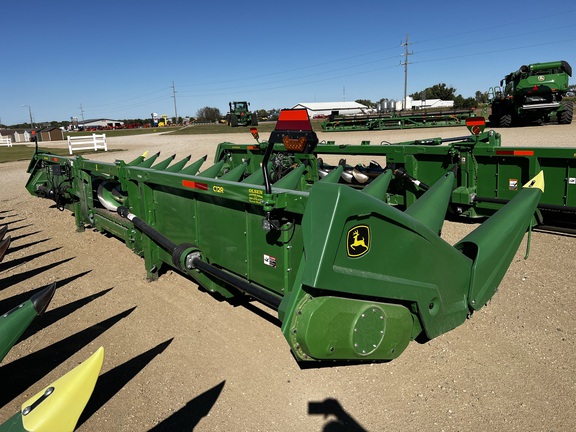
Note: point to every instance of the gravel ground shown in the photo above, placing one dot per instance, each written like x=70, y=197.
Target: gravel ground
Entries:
x=177, y=359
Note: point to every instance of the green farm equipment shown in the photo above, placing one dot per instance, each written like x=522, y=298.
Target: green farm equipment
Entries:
x=14, y=322
x=240, y=115
x=397, y=120
x=532, y=94
x=350, y=257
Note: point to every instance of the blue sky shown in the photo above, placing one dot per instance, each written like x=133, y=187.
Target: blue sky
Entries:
x=119, y=59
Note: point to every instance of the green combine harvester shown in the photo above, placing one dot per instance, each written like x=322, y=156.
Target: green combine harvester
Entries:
x=533, y=94
x=350, y=257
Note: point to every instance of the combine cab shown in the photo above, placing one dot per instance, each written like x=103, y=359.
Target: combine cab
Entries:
x=532, y=94
x=351, y=258
x=240, y=115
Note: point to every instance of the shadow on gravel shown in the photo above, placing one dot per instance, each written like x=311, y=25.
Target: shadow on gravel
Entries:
x=241, y=299
x=14, y=279
x=57, y=314
x=255, y=308
x=20, y=374
x=12, y=222
x=111, y=382
x=18, y=261
x=187, y=417
x=17, y=299
x=15, y=238
x=24, y=246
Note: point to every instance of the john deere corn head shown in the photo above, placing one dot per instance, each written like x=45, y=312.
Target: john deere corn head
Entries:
x=350, y=256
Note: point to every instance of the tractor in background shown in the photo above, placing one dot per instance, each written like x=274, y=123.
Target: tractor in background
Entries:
x=240, y=115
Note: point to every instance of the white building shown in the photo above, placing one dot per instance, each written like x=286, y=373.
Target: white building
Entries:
x=101, y=124
x=324, y=109
x=424, y=104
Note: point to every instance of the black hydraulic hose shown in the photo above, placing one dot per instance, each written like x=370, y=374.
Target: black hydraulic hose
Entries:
x=267, y=154
x=260, y=294
x=400, y=173
x=461, y=138
x=162, y=240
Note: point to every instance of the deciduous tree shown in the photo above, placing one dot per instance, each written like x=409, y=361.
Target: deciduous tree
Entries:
x=210, y=114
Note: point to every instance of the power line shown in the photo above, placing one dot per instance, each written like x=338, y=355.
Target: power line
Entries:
x=537, y=17
x=475, y=54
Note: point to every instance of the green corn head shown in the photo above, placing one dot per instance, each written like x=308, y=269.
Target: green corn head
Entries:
x=350, y=257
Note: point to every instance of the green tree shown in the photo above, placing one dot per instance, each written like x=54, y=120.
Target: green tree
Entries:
x=465, y=103
x=210, y=114
x=481, y=97
x=366, y=102
x=437, y=91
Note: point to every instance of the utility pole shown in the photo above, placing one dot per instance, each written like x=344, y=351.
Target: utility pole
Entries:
x=405, y=64
x=30, y=112
x=174, y=96
x=82, y=114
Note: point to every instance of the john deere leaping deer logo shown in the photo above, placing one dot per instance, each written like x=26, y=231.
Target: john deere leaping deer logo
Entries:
x=358, y=241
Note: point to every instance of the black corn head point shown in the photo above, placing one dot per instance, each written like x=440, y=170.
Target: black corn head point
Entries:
x=4, y=244
x=41, y=299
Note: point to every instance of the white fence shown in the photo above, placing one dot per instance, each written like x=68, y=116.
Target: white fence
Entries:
x=6, y=142
x=87, y=143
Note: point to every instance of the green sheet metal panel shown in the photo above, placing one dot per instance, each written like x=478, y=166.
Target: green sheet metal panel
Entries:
x=560, y=176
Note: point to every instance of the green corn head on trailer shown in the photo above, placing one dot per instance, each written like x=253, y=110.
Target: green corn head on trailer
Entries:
x=395, y=120
x=349, y=256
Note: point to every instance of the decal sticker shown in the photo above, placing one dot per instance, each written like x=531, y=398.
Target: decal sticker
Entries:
x=513, y=184
x=194, y=185
x=358, y=241
x=255, y=196
x=269, y=260
x=572, y=180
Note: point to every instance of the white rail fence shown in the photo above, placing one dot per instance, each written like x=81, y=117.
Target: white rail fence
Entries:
x=6, y=142
x=94, y=142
